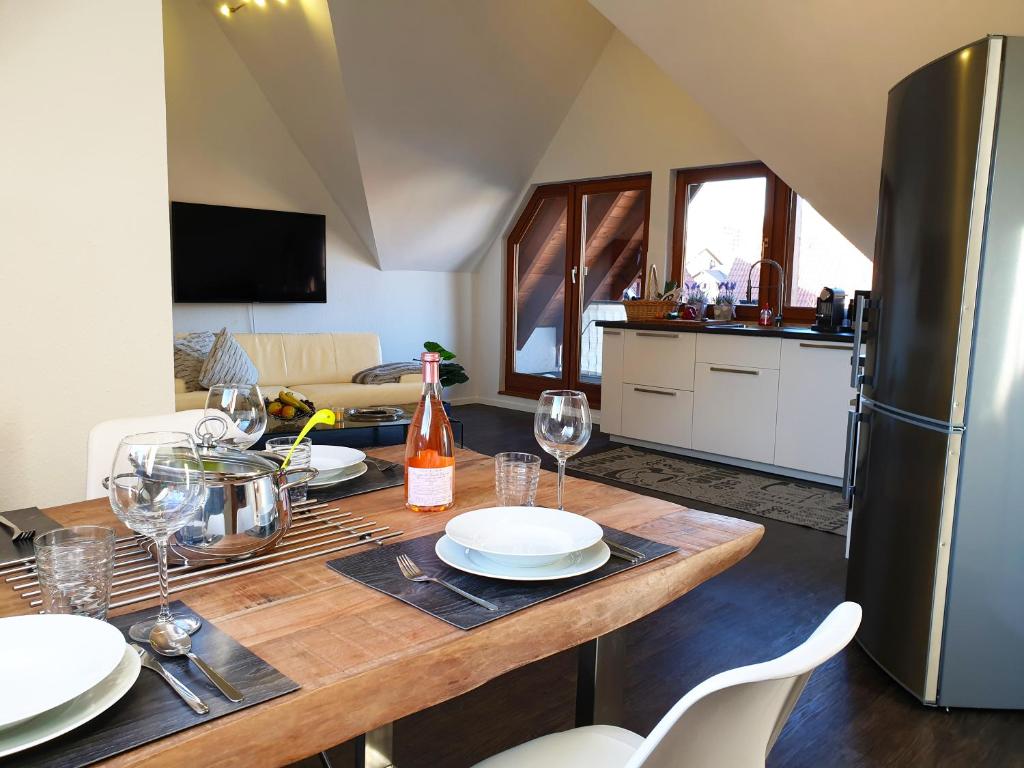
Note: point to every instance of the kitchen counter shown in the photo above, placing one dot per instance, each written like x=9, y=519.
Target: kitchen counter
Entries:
x=750, y=329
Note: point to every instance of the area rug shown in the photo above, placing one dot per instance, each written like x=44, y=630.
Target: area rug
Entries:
x=778, y=498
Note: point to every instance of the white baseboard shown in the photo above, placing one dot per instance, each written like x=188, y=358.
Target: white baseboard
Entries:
x=772, y=469
x=512, y=404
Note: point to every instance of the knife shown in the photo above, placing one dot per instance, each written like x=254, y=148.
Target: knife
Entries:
x=197, y=704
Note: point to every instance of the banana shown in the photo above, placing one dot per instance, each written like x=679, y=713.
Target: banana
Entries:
x=289, y=399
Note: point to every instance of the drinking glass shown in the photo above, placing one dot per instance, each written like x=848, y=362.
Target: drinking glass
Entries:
x=515, y=478
x=562, y=427
x=300, y=460
x=240, y=407
x=75, y=566
x=156, y=487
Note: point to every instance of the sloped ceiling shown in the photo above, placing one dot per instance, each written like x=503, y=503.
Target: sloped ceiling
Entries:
x=803, y=83
x=289, y=50
x=424, y=118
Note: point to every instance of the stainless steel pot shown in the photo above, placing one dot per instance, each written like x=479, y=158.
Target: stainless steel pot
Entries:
x=247, y=507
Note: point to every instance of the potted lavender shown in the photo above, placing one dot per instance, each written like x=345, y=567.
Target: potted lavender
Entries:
x=725, y=301
x=696, y=300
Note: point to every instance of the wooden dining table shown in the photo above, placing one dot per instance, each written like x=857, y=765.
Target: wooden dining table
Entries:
x=364, y=659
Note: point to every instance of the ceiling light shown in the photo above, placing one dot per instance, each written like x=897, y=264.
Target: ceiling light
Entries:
x=224, y=10
x=261, y=3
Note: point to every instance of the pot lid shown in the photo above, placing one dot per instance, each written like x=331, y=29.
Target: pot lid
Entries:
x=222, y=462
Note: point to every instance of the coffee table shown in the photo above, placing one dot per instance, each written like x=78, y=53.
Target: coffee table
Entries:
x=355, y=434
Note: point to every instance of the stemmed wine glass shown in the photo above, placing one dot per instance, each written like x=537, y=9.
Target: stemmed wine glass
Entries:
x=156, y=486
x=562, y=427
x=240, y=407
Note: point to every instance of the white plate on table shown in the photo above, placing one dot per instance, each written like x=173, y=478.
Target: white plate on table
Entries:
x=470, y=561
x=349, y=473
x=523, y=537
x=71, y=714
x=47, y=660
x=329, y=459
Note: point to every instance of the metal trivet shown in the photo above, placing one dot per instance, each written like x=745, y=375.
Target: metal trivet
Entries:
x=317, y=529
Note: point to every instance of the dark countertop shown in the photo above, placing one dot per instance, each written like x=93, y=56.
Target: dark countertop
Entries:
x=748, y=329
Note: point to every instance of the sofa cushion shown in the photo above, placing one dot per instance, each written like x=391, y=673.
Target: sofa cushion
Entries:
x=267, y=353
x=347, y=395
x=190, y=352
x=227, y=363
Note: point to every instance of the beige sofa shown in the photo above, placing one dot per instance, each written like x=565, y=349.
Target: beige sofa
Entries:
x=319, y=366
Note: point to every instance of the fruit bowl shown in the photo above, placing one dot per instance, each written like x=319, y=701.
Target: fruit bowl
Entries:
x=289, y=406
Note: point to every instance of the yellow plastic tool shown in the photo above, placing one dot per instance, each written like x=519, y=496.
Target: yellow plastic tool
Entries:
x=323, y=416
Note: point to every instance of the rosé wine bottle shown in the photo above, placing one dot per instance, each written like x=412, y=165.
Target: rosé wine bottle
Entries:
x=430, y=447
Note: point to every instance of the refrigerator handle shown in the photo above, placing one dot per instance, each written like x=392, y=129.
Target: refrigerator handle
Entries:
x=857, y=361
x=850, y=461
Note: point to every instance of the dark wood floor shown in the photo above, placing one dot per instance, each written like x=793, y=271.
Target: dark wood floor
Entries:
x=851, y=713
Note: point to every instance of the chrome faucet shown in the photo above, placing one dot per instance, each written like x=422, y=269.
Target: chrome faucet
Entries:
x=782, y=284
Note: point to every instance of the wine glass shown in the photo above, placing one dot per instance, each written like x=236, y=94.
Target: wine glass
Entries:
x=156, y=486
x=562, y=427
x=240, y=407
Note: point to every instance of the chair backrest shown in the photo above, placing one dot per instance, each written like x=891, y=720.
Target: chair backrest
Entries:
x=104, y=437
x=734, y=718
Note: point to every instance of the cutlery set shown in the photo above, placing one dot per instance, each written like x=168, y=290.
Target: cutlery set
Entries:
x=17, y=534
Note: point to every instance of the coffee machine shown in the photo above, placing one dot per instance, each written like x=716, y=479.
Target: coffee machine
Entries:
x=830, y=314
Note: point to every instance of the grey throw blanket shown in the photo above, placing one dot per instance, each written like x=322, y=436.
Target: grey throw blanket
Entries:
x=385, y=374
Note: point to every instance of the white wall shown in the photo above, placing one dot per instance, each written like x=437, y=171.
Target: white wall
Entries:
x=227, y=146
x=628, y=118
x=84, y=255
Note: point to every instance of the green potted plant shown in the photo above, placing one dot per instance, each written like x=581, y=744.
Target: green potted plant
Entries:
x=451, y=372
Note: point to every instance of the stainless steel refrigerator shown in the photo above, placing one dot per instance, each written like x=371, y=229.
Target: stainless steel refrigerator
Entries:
x=935, y=450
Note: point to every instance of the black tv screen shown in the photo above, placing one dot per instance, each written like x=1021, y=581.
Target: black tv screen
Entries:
x=221, y=253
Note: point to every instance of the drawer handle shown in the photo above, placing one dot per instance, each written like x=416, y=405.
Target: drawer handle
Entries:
x=807, y=345
x=658, y=335
x=735, y=370
x=654, y=391
x=619, y=333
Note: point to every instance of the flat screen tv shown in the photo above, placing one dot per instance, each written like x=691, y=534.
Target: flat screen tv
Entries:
x=224, y=254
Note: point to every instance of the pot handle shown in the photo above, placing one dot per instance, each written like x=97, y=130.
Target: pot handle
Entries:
x=308, y=473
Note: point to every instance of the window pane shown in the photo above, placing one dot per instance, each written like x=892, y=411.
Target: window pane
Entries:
x=613, y=256
x=540, y=290
x=724, y=232
x=823, y=257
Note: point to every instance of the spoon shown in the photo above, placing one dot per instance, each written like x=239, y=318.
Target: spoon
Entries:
x=168, y=639
x=323, y=416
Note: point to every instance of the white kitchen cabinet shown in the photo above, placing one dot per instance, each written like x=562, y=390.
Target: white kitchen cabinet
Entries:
x=724, y=349
x=611, y=381
x=734, y=410
x=657, y=414
x=814, y=397
x=659, y=359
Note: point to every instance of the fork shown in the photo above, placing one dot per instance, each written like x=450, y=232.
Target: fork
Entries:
x=412, y=572
x=381, y=464
x=17, y=534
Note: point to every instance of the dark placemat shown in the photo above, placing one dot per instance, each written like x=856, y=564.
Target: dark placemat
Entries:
x=373, y=480
x=151, y=710
x=377, y=569
x=26, y=519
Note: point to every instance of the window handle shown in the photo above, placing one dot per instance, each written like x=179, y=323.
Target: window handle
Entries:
x=574, y=275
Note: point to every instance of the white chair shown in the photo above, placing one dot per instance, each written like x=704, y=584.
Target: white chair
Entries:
x=729, y=721
x=104, y=437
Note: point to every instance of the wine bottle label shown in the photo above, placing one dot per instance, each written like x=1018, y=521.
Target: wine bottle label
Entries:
x=430, y=487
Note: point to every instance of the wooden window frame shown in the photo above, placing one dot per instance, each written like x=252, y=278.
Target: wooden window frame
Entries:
x=527, y=385
x=777, y=238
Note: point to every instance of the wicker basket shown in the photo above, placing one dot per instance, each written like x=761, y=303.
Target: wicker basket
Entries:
x=648, y=309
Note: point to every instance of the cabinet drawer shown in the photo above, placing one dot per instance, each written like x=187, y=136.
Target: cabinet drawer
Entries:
x=659, y=359
x=657, y=414
x=738, y=350
x=734, y=411
x=814, y=397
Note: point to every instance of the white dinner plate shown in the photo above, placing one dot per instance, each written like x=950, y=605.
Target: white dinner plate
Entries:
x=47, y=660
x=523, y=536
x=349, y=473
x=74, y=713
x=575, y=564
x=334, y=458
